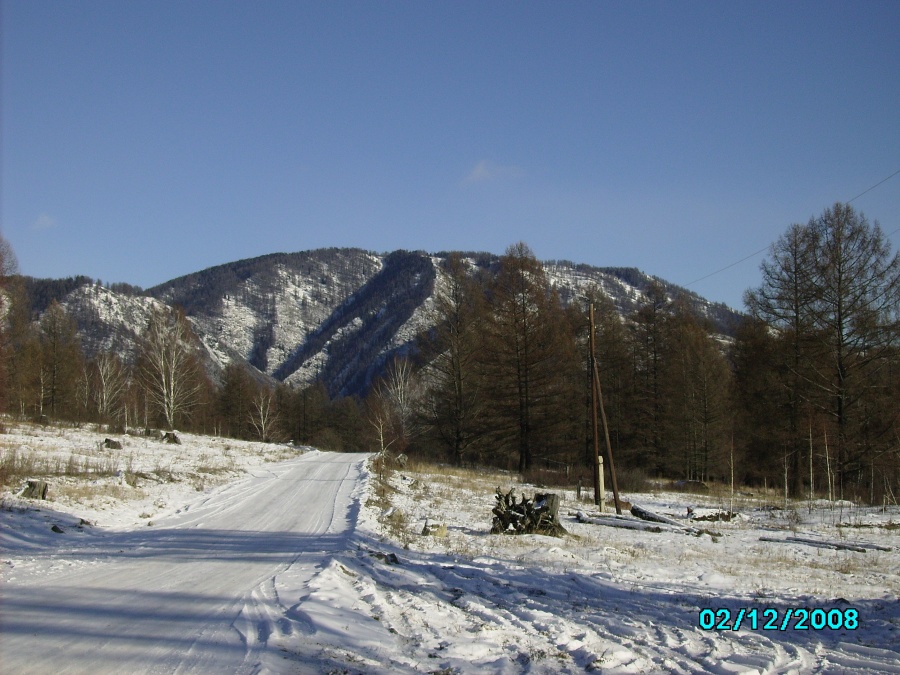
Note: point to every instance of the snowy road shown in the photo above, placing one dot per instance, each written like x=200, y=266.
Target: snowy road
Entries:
x=314, y=565
x=197, y=592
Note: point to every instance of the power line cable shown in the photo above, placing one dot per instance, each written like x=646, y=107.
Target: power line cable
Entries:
x=728, y=267
x=766, y=248
x=875, y=186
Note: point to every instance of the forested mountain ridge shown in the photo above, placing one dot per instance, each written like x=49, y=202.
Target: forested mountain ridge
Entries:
x=472, y=357
x=337, y=315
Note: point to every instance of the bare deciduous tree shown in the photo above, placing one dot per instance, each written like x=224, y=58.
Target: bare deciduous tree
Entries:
x=9, y=265
x=832, y=294
x=169, y=369
x=402, y=390
x=264, y=414
x=110, y=384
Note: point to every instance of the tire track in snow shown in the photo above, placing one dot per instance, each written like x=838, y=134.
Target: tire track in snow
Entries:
x=197, y=593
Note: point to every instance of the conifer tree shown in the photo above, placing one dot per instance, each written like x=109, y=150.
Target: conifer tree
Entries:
x=60, y=361
x=832, y=294
x=524, y=359
x=648, y=338
x=452, y=404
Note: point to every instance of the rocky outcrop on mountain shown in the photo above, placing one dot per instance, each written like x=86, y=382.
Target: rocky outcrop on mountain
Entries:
x=337, y=315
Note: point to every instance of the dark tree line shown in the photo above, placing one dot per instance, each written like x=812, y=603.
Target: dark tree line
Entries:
x=506, y=375
x=804, y=397
x=825, y=345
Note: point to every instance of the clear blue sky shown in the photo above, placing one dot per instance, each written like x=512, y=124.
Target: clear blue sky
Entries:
x=146, y=140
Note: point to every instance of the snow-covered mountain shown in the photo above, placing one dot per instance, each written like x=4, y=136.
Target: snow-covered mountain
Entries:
x=335, y=314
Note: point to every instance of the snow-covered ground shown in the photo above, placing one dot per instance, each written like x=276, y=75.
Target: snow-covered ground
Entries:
x=224, y=556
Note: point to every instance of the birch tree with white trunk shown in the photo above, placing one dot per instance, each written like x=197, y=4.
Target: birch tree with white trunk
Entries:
x=169, y=371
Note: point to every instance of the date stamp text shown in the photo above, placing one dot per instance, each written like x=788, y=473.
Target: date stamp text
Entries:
x=789, y=618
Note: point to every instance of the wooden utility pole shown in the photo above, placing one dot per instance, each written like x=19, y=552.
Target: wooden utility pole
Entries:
x=597, y=399
x=598, y=478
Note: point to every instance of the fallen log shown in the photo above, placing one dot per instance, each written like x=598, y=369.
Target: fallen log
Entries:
x=644, y=514
x=874, y=547
x=623, y=523
x=816, y=542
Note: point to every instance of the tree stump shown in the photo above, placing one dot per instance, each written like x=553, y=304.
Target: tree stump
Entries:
x=171, y=437
x=538, y=516
x=37, y=489
x=111, y=444
x=550, y=502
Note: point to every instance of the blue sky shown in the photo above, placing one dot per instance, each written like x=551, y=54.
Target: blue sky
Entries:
x=146, y=140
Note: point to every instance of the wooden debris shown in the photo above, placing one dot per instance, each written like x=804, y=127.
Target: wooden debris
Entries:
x=821, y=543
x=646, y=517
x=623, y=523
x=36, y=489
x=715, y=517
x=439, y=531
x=644, y=514
x=538, y=516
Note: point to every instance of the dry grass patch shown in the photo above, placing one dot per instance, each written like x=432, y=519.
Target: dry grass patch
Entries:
x=84, y=493
x=17, y=465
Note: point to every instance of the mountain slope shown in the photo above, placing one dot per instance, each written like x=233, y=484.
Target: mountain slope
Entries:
x=338, y=315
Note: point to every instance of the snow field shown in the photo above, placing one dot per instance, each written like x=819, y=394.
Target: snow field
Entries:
x=213, y=557
x=622, y=601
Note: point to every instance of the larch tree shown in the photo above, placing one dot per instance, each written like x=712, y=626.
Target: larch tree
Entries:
x=648, y=340
x=695, y=387
x=613, y=365
x=60, y=360
x=831, y=292
x=234, y=401
x=524, y=358
x=452, y=403
x=9, y=266
x=855, y=314
x=784, y=301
